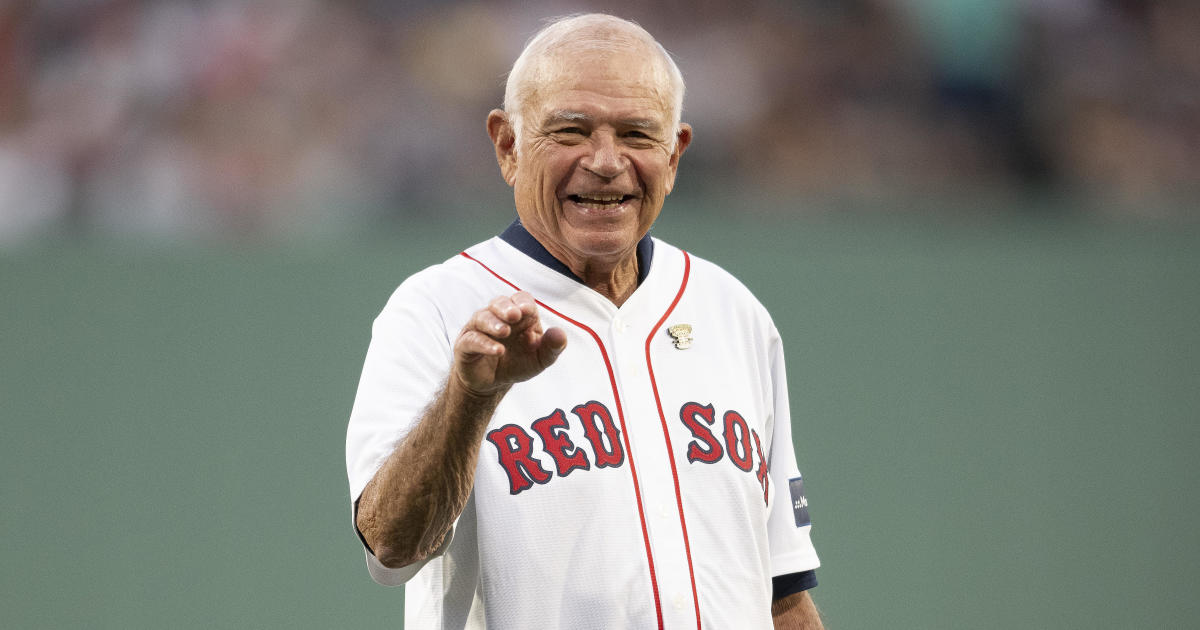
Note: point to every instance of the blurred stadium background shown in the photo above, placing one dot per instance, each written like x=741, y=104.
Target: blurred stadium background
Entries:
x=976, y=223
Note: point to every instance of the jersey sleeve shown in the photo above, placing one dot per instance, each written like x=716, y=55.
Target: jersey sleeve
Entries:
x=405, y=367
x=788, y=525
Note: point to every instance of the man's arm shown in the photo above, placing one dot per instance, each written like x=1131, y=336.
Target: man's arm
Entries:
x=408, y=507
x=796, y=612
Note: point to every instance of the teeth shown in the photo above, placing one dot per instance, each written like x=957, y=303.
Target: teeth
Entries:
x=601, y=198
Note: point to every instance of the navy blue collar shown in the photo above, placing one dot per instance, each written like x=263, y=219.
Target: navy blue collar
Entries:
x=517, y=236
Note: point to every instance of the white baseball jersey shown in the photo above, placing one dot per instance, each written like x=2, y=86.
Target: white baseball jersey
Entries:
x=646, y=479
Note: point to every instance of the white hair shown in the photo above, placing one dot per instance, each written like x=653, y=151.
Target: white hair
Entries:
x=588, y=32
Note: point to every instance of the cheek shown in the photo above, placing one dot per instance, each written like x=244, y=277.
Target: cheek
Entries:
x=655, y=174
x=547, y=199
x=545, y=171
x=538, y=196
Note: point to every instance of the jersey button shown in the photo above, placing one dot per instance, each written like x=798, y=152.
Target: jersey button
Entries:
x=680, y=601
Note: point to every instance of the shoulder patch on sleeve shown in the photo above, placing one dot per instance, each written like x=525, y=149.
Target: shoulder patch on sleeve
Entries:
x=799, y=503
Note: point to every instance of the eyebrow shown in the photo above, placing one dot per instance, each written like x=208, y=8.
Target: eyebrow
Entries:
x=567, y=115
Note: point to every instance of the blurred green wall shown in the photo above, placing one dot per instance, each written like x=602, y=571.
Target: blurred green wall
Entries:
x=997, y=419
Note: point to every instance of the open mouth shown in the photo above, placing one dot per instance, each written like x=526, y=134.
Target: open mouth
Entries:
x=600, y=202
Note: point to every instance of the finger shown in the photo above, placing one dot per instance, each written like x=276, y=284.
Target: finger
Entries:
x=486, y=322
x=554, y=341
x=473, y=342
x=505, y=309
x=524, y=301
x=529, y=311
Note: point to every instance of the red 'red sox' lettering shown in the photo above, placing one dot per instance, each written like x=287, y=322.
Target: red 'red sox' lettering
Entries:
x=737, y=436
x=514, y=446
x=763, y=478
x=737, y=440
x=558, y=444
x=591, y=413
x=705, y=447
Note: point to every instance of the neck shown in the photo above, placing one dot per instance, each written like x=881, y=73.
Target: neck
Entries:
x=616, y=282
x=615, y=277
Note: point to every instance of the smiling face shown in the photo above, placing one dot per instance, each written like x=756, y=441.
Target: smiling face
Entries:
x=597, y=156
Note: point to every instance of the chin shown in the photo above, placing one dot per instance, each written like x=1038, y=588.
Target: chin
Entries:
x=606, y=246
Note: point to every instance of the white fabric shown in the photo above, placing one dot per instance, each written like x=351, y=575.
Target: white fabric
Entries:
x=570, y=552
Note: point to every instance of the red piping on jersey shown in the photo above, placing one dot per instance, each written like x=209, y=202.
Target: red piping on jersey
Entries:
x=687, y=546
x=612, y=379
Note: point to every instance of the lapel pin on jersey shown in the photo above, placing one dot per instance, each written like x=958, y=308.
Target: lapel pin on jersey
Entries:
x=682, y=334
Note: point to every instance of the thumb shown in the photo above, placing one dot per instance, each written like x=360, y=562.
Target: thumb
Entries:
x=554, y=340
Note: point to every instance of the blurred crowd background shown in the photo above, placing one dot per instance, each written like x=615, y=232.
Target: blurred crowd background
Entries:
x=175, y=119
x=975, y=222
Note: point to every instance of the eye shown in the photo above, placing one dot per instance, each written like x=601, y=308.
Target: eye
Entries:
x=638, y=138
x=570, y=135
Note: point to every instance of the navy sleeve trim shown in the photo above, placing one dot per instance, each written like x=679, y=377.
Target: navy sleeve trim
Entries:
x=361, y=538
x=793, y=583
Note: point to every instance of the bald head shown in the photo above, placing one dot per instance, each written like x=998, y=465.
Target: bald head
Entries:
x=572, y=39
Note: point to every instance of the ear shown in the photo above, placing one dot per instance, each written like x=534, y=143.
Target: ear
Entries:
x=683, y=138
x=504, y=139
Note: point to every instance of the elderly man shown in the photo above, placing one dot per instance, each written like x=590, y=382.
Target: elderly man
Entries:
x=575, y=425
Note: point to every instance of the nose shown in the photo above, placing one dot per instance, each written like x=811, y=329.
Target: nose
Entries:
x=604, y=159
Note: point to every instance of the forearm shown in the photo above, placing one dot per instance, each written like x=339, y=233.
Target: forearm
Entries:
x=796, y=612
x=410, y=504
